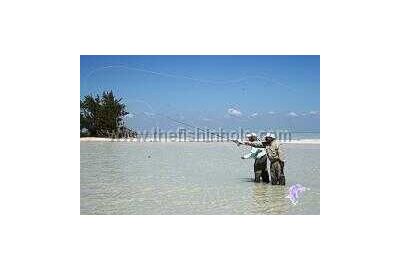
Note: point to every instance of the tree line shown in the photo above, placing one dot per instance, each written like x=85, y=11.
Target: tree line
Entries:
x=102, y=116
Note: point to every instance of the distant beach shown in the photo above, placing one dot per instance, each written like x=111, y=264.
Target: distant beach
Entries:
x=136, y=140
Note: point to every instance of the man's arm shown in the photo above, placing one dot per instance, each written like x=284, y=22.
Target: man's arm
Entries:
x=253, y=154
x=238, y=143
x=256, y=144
x=280, y=153
x=247, y=156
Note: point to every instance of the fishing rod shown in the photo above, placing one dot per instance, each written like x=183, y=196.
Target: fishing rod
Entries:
x=180, y=122
x=238, y=143
x=191, y=126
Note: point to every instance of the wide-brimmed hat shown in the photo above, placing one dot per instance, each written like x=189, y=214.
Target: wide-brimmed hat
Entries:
x=251, y=135
x=271, y=135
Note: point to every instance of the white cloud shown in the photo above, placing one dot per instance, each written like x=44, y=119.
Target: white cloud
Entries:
x=313, y=112
x=254, y=115
x=129, y=115
x=293, y=114
x=234, y=112
x=271, y=112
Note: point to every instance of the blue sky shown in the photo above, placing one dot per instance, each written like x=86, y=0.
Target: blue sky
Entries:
x=230, y=92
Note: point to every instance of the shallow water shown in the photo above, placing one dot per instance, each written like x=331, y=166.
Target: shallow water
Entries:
x=191, y=178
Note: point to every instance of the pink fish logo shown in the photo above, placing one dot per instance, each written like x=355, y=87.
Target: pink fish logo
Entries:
x=294, y=193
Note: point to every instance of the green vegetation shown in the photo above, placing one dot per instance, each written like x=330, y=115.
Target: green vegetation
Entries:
x=103, y=116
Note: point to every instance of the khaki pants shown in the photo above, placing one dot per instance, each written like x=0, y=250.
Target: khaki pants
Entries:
x=277, y=175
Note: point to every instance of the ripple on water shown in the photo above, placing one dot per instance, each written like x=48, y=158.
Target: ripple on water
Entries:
x=190, y=178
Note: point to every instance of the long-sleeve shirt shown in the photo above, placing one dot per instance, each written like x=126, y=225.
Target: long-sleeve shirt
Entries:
x=274, y=151
x=255, y=153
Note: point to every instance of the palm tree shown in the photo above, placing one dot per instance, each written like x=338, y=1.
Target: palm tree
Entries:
x=102, y=116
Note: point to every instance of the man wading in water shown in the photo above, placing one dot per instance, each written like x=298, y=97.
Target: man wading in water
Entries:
x=275, y=155
x=260, y=159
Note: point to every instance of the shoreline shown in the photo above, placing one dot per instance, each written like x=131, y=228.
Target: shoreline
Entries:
x=135, y=140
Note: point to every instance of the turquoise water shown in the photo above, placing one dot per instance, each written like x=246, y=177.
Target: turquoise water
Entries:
x=191, y=178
